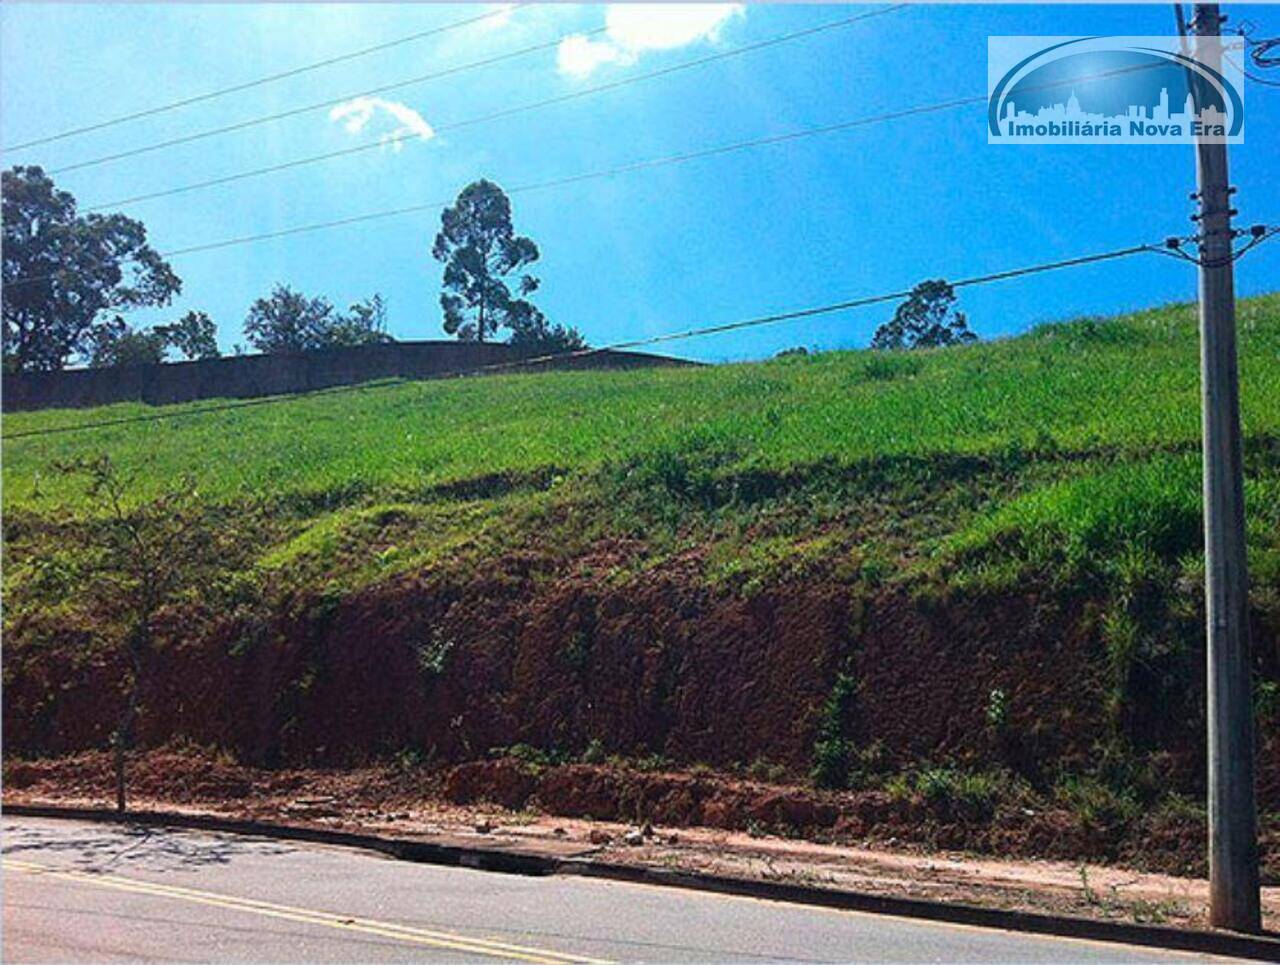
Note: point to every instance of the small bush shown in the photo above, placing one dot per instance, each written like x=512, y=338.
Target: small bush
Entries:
x=831, y=762
x=832, y=750
x=970, y=793
x=534, y=759
x=1266, y=701
x=577, y=651
x=900, y=787
x=765, y=770
x=650, y=762
x=1095, y=802
x=411, y=759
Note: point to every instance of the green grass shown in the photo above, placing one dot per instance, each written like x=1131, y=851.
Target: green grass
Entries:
x=1071, y=450
x=1129, y=384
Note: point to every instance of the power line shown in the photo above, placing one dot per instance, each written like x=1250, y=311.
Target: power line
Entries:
x=270, y=78
x=294, y=111
x=505, y=112
x=663, y=161
x=607, y=172
x=773, y=319
x=382, y=142
x=253, y=122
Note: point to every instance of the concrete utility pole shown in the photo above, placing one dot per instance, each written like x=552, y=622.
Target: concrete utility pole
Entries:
x=1233, y=841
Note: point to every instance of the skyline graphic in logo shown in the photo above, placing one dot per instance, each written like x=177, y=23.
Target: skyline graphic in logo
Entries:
x=1111, y=90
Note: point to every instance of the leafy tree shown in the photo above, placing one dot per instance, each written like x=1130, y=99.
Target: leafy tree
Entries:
x=537, y=333
x=927, y=319
x=364, y=324
x=480, y=249
x=288, y=321
x=194, y=335
x=115, y=342
x=63, y=272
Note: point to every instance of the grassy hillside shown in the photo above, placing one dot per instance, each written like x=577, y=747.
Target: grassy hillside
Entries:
x=844, y=565
x=1129, y=383
x=1090, y=427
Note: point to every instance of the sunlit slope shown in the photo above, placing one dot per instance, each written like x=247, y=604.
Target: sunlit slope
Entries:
x=1128, y=383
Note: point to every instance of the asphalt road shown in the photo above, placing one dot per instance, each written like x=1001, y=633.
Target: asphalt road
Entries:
x=87, y=892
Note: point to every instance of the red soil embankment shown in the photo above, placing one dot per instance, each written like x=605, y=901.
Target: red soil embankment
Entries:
x=661, y=665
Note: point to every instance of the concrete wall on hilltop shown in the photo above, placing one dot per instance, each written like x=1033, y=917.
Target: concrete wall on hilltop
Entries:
x=248, y=376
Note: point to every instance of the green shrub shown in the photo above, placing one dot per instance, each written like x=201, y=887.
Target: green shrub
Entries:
x=650, y=762
x=832, y=750
x=1095, y=802
x=577, y=651
x=534, y=759
x=765, y=770
x=1266, y=701
x=968, y=792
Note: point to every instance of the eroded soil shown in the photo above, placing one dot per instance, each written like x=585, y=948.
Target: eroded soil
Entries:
x=697, y=822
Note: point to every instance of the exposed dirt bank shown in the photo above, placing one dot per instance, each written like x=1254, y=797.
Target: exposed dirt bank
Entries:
x=662, y=665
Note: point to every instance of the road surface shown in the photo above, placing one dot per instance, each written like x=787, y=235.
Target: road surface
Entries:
x=87, y=892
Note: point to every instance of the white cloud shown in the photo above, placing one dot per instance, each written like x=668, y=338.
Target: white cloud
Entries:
x=356, y=114
x=633, y=28
x=579, y=56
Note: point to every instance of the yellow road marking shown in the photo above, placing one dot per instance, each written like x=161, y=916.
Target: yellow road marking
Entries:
x=421, y=936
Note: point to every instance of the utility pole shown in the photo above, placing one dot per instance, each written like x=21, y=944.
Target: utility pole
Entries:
x=1233, y=840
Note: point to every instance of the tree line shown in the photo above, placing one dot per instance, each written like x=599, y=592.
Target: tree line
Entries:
x=71, y=278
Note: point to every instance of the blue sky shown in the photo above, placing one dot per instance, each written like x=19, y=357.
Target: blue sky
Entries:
x=772, y=229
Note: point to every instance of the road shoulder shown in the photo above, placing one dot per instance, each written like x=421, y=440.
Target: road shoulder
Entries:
x=1028, y=897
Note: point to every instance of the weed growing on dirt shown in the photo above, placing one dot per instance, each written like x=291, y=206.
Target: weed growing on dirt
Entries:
x=965, y=791
x=833, y=750
x=535, y=759
x=1095, y=802
x=1266, y=700
x=767, y=771
x=433, y=654
x=997, y=712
